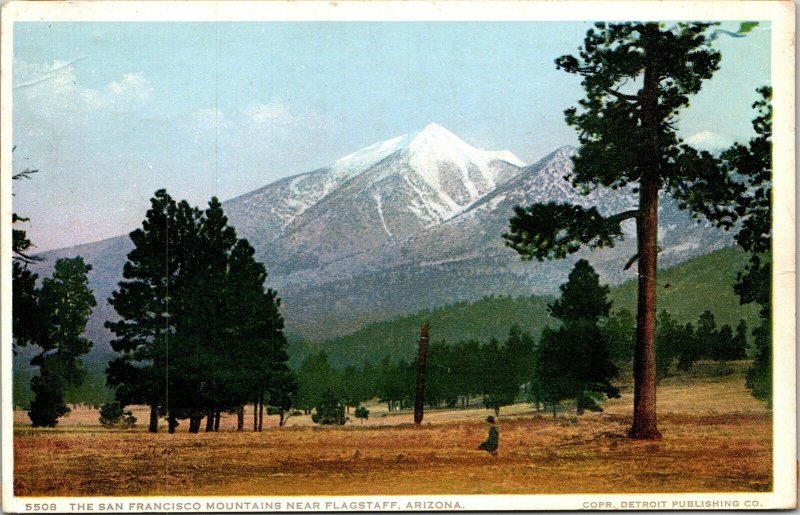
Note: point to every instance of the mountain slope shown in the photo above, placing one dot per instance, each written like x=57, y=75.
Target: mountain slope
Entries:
x=686, y=290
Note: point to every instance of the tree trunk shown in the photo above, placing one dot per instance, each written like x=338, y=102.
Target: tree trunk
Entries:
x=282, y=420
x=240, y=419
x=194, y=424
x=644, y=356
x=261, y=412
x=419, y=397
x=554, y=411
x=153, y=427
x=172, y=423
x=255, y=416
x=210, y=421
x=217, y=416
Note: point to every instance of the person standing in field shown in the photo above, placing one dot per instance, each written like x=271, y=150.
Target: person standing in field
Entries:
x=493, y=441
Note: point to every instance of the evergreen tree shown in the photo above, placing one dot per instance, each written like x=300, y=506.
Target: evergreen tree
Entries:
x=707, y=335
x=199, y=333
x=759, y=375
x=668, y=340
x=687, y=348
x=65, y=302
x=572, y=361
x=501, y=384
x=329, y=411
x=26, y=327
x=112, y=414
x=582, y=296
x=142, y=302
x=740, y=340
x=619, y=332
x=754, y=284
x=637, y=78
x=520, y=351
x=362, y=413
x=315, y=378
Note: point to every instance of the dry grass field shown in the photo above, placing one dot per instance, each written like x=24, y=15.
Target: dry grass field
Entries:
x=716, y=439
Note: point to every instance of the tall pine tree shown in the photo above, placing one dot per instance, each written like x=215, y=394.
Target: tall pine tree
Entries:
x=637, y=78
x=142, y=301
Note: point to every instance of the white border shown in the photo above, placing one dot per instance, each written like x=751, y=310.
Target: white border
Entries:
x=781, y=14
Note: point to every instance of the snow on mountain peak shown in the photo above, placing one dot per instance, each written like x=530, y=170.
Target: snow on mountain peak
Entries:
x=436, y=141
x=443, y=161
x=358, y=161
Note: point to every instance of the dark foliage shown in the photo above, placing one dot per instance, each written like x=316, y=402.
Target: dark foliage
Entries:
x=329, y=411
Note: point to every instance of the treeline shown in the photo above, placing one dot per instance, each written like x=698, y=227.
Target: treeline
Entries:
x=495, y=371
x=577, y=361
x=678, y=346
x=483, y=319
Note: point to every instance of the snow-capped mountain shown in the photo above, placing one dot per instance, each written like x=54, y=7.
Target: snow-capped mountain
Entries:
x=384, y=192
x=406, y=224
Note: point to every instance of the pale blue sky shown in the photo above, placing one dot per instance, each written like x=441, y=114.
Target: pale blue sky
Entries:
x=110, y=112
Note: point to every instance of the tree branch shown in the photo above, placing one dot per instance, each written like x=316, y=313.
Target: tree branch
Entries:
x=625, y=215
x=621, y=96
x=552, y=231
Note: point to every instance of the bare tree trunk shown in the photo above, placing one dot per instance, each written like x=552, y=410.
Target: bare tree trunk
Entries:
x=255, y=416
x=419, y=398
x=153, y=427
x=209, y=421
x=240, y=419
x=217, y=416
x=282, y=420
x=644, y=357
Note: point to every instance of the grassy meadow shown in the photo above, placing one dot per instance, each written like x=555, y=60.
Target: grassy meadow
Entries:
x=717, y=438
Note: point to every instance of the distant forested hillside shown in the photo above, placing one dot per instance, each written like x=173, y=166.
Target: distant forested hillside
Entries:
x=686, y=290
x=699, y=284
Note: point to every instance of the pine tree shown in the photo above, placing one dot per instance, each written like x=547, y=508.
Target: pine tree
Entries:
x=687, y=347
x=362, y=413
x=759, y=375
x=637, y=78
x=668, y=340
x=582, y=296
x=65, y=302
x=739, y=345
x=572, y=361
x=520, y=353
x=707, y=336
x=25, y=318
x=199, y=333
x=754, y=284
x=142, y=302
x=619, y=332
x=501, y=383
x=329, y=410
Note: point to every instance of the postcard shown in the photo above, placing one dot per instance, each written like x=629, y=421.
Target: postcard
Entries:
x=398, y=256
